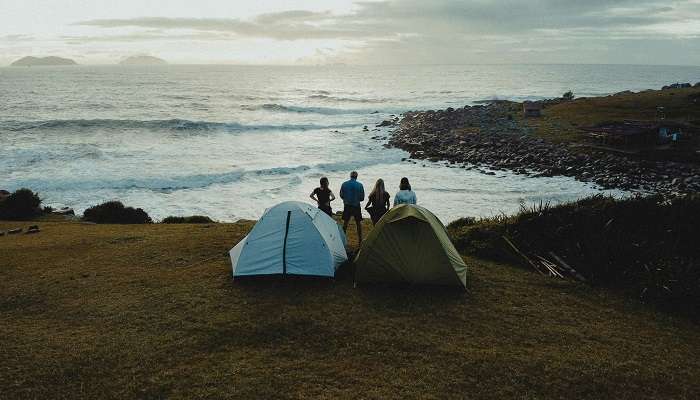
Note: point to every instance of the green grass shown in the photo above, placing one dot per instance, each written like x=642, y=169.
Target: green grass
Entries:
x=144, y=311
x=562, y=122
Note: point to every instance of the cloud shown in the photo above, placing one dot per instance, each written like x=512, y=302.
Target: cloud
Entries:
x=292, y=16
x=413, y=17
x=445, y=30
x=148, y=36
x=17, y=38
x=290, y=25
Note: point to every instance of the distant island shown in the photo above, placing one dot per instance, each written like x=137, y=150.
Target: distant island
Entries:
x=30, y=61
x=143, y=60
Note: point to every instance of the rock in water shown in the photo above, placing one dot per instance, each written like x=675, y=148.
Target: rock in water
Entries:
x=42, y=61
x=143, y=60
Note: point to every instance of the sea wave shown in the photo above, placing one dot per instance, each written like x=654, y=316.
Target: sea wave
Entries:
x=168, y=184
x=280, y=108
x=177, y=125
x=155, y=183
x=327, y=97
x=496, y=98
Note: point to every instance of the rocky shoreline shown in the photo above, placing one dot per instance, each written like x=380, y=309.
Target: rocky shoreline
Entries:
x=488, y=136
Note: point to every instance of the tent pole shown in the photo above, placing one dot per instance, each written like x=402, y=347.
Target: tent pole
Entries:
x=284, y=247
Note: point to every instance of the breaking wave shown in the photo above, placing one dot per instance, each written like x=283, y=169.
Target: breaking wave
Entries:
x=176, y=125
x=299, y=109
x=186, y=182
x=327, y=97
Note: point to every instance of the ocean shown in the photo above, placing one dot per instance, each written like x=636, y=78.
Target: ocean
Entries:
x=230, y=141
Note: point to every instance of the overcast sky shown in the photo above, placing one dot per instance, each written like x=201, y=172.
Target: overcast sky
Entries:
x=355, y=32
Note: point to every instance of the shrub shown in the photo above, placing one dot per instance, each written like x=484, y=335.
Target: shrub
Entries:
x=114, y=212
x=568, y=95
x=477, y=238
x=646, y=246
x=22, y=204
x=193, y=219
x=463, y=222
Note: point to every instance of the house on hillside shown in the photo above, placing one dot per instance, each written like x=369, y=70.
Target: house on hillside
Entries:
x=532, y=109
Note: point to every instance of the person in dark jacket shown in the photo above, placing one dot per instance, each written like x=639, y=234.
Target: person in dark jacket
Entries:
x=323, y=196
x=378, y=202
x=353, y=194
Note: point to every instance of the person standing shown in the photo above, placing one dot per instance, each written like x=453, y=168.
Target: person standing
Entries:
x=353, y=194
x=378, y=202
x=405, y=195
x=323, y=196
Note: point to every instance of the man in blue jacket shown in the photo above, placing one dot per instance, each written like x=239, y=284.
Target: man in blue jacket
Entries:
x=353, y=194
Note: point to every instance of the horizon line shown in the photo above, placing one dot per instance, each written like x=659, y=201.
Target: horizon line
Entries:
x=344, y=64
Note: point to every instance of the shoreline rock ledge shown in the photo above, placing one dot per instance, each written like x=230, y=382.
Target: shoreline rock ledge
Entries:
x=488, y=136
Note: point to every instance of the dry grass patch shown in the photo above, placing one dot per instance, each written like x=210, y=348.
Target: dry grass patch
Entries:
x=110, y=311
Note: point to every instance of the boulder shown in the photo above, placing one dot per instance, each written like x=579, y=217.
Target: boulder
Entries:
x=64, y=211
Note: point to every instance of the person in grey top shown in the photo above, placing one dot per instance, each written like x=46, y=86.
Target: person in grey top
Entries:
x=405, y=195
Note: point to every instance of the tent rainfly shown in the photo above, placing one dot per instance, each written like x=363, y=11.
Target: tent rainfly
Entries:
x=410, y=245
x=291, y=238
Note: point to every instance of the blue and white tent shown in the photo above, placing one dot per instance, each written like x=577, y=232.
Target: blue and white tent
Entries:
x=291, y=238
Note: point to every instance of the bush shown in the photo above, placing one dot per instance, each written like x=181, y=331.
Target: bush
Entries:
x=193, y=219
x=114, y=212
x=646, y=246
x=568, y=95
x=22, y=204
x=479, y=239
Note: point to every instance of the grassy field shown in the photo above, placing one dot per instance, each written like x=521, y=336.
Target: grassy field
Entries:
x=150, y=311
x=561, y=122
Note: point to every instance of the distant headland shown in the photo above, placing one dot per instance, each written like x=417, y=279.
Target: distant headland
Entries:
x=143, y=60
x=30, y=61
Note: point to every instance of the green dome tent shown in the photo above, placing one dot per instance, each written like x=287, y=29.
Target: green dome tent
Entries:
x=410, y=245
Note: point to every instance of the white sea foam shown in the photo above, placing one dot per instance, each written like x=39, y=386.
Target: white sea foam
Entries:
x=231, y=141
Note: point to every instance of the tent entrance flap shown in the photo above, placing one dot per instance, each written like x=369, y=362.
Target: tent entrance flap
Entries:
x=284, y=245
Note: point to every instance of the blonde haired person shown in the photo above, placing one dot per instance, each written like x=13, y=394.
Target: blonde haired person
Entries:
x=378, y=202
